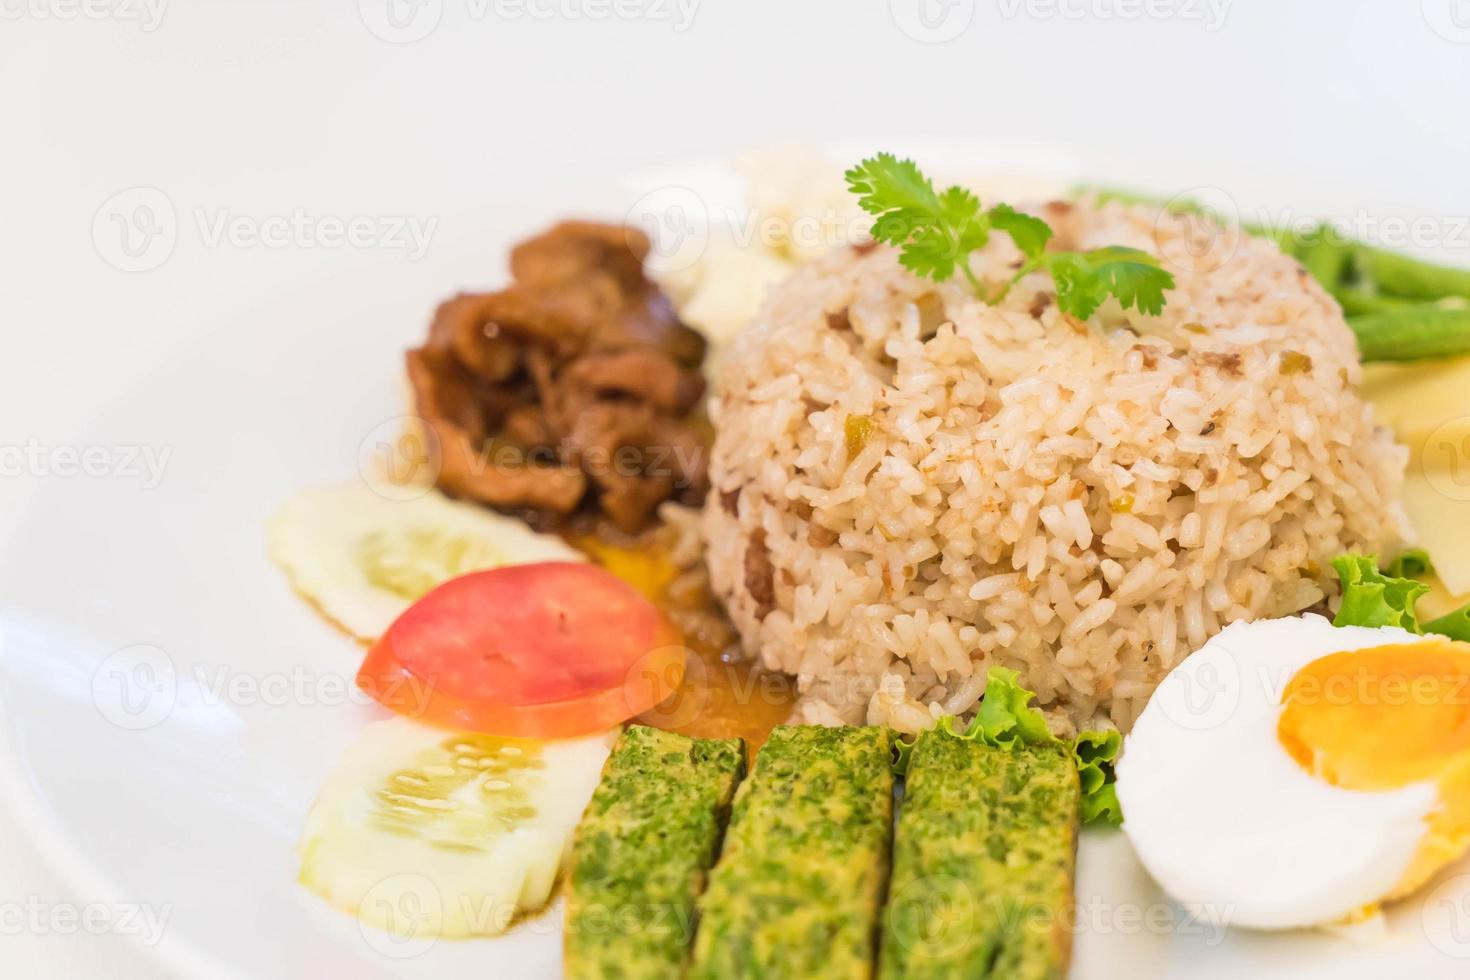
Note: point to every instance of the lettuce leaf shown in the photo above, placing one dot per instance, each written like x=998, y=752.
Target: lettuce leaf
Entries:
x=1371, y=598
x=1095, y=752
x=1101, y=807
x=1455, y=625
x=1006, y=720
x=903, y=747
x=1374, y=598
x=1413, y=563
x=1006, y=716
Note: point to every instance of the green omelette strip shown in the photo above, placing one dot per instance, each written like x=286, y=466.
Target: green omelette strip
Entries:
x=642, y=853
x=798, y=889
x=983, y=862
x=1006, y=717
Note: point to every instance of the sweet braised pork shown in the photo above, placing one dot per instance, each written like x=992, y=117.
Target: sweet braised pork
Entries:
x=574, y=391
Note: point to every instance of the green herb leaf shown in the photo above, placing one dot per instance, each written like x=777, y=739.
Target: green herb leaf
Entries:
x=1456, y=625
x=935, y=233
x=1413, y=563
x=885, y=184
x=930, y=253
x=1085, y=279
x=961, y=209
x=1077, y=291
x=1029, y=233
x=1370, y=598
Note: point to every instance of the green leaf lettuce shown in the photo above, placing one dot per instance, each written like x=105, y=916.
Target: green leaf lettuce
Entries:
x=1371, y=598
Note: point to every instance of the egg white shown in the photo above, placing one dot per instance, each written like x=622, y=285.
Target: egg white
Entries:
x=1226, y=821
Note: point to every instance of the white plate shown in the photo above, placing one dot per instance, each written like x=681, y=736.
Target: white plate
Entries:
x=186, y=796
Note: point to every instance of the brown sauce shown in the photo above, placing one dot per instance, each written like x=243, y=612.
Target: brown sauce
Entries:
x=722, y=695
x=722, y=699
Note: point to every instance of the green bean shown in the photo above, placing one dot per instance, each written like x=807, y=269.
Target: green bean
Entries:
x=1296, y=244
x=1402, y=308
x=1413, y=333
x=1356, y=301
x=1290, y=243
x=1327, y=261
x=1176, y=205
x=1104, y=195
x=1456, y=625
x=1400, y=275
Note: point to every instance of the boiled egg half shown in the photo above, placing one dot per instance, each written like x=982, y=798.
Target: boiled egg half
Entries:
x=1292, y=773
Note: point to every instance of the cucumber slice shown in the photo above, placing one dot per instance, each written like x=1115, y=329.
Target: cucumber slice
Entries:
x=362, y=558
x=427, y=833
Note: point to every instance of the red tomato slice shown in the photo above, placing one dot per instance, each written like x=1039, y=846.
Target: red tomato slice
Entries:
x=549, y=650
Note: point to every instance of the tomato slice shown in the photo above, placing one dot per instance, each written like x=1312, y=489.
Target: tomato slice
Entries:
x=548, y=650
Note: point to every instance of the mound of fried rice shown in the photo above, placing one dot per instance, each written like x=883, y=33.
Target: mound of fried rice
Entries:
x=912, y=486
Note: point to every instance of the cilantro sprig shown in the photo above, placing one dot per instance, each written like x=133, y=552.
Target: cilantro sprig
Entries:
x=935, y=232
x=1085, y=279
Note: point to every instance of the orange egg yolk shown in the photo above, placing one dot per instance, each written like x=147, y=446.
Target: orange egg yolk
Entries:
x=1385, y=718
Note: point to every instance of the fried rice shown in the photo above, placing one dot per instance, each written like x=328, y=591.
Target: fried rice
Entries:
x=911, y=486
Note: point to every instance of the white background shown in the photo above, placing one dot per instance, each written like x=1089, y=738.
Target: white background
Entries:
x=256, y=109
